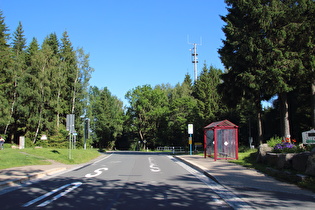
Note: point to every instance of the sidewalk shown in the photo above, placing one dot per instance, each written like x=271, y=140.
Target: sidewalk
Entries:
x=234, y=176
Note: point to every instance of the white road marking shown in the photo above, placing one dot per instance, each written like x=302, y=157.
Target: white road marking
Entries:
x=97, y=172
x=76, y=184
x=102, y=159
x=153, y=166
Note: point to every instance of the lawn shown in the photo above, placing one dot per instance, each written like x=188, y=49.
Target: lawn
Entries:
x=21, y=157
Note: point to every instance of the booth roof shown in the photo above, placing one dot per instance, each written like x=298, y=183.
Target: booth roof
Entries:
x=223, y=123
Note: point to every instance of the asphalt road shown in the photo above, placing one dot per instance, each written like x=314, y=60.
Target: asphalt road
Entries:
x=135, y=180
x=125, y=180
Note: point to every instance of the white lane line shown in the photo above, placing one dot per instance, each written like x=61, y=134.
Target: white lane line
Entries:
x=230, y=198
x=102, y=159
x=77, y=184
x=97, y=172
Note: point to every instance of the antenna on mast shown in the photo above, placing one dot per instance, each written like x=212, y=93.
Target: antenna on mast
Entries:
x=194, y=55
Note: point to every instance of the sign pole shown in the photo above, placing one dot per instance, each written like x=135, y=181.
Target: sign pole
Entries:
x=190, y=132
x=190, y=144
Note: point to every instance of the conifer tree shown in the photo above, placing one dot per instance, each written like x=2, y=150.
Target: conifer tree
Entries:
x=208, y=98
x=107, y=121
x=72, y=72
x=17, y=72
x=5, y=77
x=30, y=96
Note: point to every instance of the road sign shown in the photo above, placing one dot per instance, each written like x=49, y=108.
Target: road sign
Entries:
x=190, y=128
x=70, y=123
x=309, y=137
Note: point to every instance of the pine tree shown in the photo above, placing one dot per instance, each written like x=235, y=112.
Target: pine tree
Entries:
x=208, y=98
x=107, y=121
x=244, y=58
x=5, y=77
x=72, y=72
x=30, y=96
x=17, y=72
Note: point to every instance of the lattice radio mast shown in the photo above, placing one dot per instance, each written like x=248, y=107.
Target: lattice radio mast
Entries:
x=194, y=55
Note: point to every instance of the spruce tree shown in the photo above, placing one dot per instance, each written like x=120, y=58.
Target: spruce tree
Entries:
x=5, y=76
x=17, y=72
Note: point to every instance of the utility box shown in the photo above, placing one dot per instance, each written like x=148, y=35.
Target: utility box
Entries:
x=221, y=140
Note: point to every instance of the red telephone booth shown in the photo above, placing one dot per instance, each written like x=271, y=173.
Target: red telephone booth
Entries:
x=221, y=140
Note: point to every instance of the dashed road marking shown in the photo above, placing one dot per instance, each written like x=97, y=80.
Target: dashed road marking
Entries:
x=75, y=185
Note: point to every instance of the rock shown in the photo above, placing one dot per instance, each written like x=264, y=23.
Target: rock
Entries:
x=310, y=166
x=263, y=149
x=299, y=161
x=279, y=160
x=271, y=159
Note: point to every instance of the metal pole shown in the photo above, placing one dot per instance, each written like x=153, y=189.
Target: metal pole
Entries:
x=70, y=146
x=190, y=144
x=195, y=62
x=84, y=137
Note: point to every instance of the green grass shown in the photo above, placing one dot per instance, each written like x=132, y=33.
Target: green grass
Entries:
x=246, y=158
x=22, y=157
x=14, y=158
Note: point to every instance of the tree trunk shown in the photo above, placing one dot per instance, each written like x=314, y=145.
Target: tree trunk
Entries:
x=259, y=128
x=12, y=107
x=284, y=115
x=74, y=91
x=259, y=121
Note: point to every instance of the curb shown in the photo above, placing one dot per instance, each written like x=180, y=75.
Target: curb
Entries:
x=24, y=179
x=198, y=168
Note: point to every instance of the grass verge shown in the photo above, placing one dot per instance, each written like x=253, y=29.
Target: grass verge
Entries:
x=22, y=157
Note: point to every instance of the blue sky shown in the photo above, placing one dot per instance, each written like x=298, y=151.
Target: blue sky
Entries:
x=130, y=43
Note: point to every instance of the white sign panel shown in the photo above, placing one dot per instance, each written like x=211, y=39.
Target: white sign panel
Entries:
x=21, y=142
x=190, y=128
x=309, y=137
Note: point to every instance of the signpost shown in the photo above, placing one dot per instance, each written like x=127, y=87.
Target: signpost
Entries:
x=190, y=132
x=72, y=132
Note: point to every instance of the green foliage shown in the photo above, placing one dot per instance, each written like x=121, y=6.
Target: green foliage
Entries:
x=268, y=50
x=40, y=85
x=272, y=142
x=59, y=139
x=42, y=143
x=28, y=143
x=106, y=117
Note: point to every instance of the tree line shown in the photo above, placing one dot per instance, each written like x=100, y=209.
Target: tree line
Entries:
x=268, y=52
x=39, y=85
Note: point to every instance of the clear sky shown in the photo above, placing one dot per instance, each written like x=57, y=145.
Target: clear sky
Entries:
x=130, y=42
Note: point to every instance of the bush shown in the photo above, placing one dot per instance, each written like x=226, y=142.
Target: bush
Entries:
x=274, y=141
x=42, y=143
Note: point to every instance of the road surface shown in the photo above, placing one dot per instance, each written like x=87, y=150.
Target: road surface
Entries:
x=126, y=180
